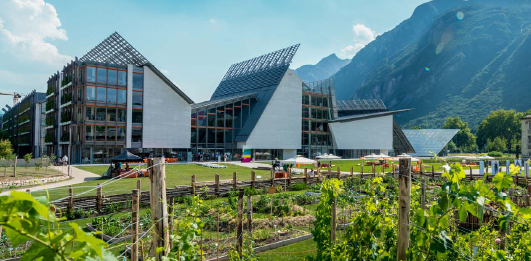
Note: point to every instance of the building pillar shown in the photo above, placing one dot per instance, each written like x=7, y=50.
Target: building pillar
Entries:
x=129, y=110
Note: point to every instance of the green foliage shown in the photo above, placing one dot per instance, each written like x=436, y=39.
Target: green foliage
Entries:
x=27, y=158
x=464, y=140
x=190, y=229
x=298, y=186
x=503, y=127
x=25, y=218
x=496, y=154
x=6, y=149
x=330, y=189
x=498, y=144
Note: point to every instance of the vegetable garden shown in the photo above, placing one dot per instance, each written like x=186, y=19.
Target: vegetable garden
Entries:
x=448, y=216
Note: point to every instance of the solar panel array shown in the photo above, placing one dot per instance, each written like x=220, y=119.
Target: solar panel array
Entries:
x=361, y=105
x=115, y=50
x=251, y=75
x=426, y=142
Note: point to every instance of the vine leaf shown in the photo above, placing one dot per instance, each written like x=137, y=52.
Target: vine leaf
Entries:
x=502, y=181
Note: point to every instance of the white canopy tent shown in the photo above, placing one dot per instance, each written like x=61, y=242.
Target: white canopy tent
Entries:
x=485, y=157
x=328, y=157
x=298, y=160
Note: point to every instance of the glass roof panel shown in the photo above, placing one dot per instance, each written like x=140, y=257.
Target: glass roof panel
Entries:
x=427, y=142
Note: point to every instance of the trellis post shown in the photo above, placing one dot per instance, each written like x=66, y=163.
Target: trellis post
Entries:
x=404, y=204
x=250, y=215
x=70, y=199
x=351, y=171
x=159, y=208
x=99, y=198
x=239, y=224
x=217, y=184
x=253, y=179
x=338, y=173
x=234, y=180
x=333, y=222
x=193, y=185
x=305, y=175
x=134, y=220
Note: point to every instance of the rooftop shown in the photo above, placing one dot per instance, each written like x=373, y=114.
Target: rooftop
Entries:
x=361, y=105
x=427, y=142
x=115, y=50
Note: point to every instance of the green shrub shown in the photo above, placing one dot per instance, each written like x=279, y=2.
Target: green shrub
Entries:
x=495, y=154
x=298, y=186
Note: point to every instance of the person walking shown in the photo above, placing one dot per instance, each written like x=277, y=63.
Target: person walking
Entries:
x=65, y=160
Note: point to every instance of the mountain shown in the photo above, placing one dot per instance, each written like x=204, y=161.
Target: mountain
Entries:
x=450, y=58
x=322, y=70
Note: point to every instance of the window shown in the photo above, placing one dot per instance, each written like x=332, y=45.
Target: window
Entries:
x=136, y=135
x=100, y=114
x=120, y=115
x=91, y=93
x=102, y=75
x=100, y=133
x=122, y=77
x=137, y=99
x=89, y=133
x=112, y=76
x=138, y=80
x=111, y=133
x=91, y=74
x=137, y=116
x=122, y=96
x=90, y=114
x=120, y=133
x=111, y=95
x=111, y=114
x=101, y=94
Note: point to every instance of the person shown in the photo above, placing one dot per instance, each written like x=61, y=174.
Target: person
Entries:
x=65, y=160
x=127, y=166
x=310, y=173
x=318, y=163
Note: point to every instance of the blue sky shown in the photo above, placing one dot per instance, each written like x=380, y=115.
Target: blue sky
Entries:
x=192, y=42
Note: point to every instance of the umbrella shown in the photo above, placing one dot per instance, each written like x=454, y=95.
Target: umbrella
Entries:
x=485, y=157
x=298, y=160
x=372, y=157
x=126, y=156
x=328, y=157
x=404, y=155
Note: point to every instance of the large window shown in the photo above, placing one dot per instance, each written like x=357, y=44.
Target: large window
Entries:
x=120, y=133
x=122, y=96
x=120, y=115
x=111, y=95
x=136, y=135
x=122, y=77
x=111, y=133
x=100, y=133
x=100, y=114
x=91, y=93
x=101, y=94
x=137, y=99
x=112, y=76
x=102, y=75
x=111, y=114
x=89, y=133
x=90, y=114
x=137, y=116
x=138, y=80
x=91, y=74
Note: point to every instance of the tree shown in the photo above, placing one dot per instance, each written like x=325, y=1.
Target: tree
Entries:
x=5, y=149
x=4, y=135
x=505, y=124
x=498, y=144
x=464, y=139
x=27, y=158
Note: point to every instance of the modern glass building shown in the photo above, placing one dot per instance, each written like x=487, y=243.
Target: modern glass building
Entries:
x=113, y=98
x=23, y=124
x=263, y=105
x=428, y=142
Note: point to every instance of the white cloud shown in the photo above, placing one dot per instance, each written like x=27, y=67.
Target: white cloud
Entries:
x=212, y=20
x=362, y=36
x=26, y=26
x=164, y=71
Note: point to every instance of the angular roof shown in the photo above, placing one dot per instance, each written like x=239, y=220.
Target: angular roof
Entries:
x=250, y=75
x=361, y=105
x=356, y=117
x=223, y=101
x=427, y=142
x=116, y=50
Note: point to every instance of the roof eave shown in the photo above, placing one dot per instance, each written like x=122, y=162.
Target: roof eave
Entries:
x=169, y=83
x=366, y=116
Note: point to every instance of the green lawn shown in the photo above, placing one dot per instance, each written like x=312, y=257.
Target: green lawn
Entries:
x=345, y=165
x=100, y=170
x=178, y=174
x=297, y=251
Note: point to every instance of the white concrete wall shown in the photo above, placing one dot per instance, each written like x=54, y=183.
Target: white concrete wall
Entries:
x=288, y=154
x=280, y=125
x=129, y=110
x=373, y=134
x=166, y=119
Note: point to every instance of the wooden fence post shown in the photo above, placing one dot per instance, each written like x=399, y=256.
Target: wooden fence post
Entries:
x=471, y=177
x=15, y=166
x=172, y=216
x=159, y=208
x=289, y=177
x=99, y=198
x=333, y=222
x=217, y=184
x=423, y=194
x=217, y=239
x=138, y=185
x=193, y=185
x=250, y=215
x=528, y=196
x=305, y=175
x=70, y=199
x=253, y=179
x=351, y=171
x=361, y=173
x=329, y=171
x=134, y=220
x=373, y=171
x=338, y=173
x=432, y=172
x=239, y=224
x=234, y=180
x=404, y=204
x=272, y=178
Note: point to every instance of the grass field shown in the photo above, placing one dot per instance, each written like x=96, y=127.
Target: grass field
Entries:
x=297, y=251
x=345, y=165
x=178, y=174
x=26, y=173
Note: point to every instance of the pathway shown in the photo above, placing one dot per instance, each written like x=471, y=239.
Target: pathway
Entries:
x=79, y=176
